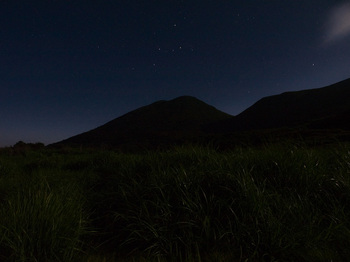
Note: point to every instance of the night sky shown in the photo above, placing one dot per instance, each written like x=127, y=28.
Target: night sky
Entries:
x=69, y=66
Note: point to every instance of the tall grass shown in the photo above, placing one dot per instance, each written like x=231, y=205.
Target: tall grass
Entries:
x=40, y=220
x=276, y=202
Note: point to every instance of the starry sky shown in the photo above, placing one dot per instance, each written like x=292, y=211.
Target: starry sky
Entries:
x=69, y=66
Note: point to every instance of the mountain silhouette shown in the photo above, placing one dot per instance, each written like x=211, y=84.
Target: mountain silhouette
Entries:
x=326, y=107
x=163, y=122
x=189, y=120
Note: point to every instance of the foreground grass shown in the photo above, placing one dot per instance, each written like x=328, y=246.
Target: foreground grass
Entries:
x=278, y=202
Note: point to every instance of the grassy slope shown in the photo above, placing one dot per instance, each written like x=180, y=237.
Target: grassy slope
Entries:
x=285, y=202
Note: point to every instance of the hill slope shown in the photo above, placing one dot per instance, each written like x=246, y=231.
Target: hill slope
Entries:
x=159, y=123
x=326, y=107
x=187, y=119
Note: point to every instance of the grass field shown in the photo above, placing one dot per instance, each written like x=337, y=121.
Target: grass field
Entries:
x=286, y=202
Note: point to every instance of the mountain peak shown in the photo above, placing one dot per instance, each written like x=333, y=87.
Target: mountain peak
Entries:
x=186, y=98
x=160, y=122
x=187, y=119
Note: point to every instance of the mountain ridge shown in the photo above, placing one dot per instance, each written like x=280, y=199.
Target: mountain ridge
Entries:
x=293, y=108
x=188, y=119
x=175, y=120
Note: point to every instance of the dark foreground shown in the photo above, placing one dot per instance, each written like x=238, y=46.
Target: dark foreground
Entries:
x=285, y=202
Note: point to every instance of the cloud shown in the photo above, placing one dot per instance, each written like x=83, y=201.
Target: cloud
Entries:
x=338, y=23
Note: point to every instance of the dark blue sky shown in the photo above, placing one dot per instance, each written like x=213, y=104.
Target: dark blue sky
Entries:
x=69, y=66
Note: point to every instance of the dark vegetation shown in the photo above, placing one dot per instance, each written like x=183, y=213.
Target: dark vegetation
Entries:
x=273, y=202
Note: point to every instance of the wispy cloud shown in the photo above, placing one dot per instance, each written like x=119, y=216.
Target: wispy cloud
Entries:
x=338, y=23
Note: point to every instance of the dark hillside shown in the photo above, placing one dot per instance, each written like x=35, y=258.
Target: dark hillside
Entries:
x=186, y=119
x=292, y=109
x=159, y=123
